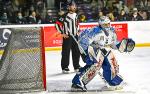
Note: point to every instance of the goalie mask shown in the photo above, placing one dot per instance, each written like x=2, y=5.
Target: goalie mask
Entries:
x=104, y=22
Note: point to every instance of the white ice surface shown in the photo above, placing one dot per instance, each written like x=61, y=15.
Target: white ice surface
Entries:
x=134, y=67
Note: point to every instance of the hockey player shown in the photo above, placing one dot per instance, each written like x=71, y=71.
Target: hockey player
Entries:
x=96, y=47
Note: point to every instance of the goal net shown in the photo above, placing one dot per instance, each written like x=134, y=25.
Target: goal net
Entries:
x=22, y=65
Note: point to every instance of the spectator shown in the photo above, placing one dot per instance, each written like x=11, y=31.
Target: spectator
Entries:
x=126, y=9
x=100, y=14
x=144, y=14
x=115, y=9
x=135, y=15
x=90, y=17
x=32, y=18
x=61, y=13
x=111, y=16
x=94, y=4
x=39, y=18
x=119, y=6
x=39, y=6
x=20, y=19
x=100, y=4
x=122, y=16
x=4, y=19
x=105, y=11
x=48, y=18
x=82, y=18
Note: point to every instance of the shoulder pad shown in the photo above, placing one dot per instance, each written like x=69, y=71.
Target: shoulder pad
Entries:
x=84, y=32
x=97, y=29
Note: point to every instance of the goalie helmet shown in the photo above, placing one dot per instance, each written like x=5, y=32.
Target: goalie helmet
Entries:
x=104, y=22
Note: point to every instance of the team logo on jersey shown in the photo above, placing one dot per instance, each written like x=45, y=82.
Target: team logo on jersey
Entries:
x=101, y=37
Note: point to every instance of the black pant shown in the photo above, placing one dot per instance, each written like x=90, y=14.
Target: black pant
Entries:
x=70, y=44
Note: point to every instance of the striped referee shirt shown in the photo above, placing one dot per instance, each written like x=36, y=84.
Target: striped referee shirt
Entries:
x=68, y=24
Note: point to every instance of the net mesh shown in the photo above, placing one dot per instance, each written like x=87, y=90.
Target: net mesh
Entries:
x=21, y=67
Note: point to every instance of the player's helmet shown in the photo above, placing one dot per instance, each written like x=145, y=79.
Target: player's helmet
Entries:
x=104, y=22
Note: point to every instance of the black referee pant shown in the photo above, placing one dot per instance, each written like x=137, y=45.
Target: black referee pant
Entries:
x=70, y=44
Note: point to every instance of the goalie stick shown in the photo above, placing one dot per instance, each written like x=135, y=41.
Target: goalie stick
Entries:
x=80, y=48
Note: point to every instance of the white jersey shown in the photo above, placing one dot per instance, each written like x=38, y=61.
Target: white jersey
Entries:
x=105, y=38
x=98, y=37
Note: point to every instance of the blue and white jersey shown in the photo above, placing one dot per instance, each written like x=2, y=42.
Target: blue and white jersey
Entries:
x=98, y=37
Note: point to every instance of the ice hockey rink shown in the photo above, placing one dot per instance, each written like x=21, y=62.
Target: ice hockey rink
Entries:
x=134, y=67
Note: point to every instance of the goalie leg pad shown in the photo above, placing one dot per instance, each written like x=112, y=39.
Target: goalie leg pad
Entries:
x=94, y=69
x=111, y=69
x=77, y=77
x=88, y=72
x=77, y=83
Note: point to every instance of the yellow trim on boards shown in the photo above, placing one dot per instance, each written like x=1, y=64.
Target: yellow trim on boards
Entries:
x=22, y=50
x=29, y=50
x=53, y=48
x=46, y=49
x=143, y=45
x=59, y=48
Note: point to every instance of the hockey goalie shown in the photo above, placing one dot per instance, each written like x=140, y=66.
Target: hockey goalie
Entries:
x=96, y=46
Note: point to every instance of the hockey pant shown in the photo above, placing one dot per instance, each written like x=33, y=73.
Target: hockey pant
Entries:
x=110, y=70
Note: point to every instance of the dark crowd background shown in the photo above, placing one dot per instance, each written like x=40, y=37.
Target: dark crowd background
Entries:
x=41, y=12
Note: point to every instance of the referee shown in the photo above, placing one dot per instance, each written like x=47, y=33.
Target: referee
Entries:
x=68, y=26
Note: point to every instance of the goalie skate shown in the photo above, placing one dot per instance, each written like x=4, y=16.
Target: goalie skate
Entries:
x=78, y=88
x=113, y=88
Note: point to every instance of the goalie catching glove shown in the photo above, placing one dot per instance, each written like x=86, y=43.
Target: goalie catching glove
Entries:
x=126, y=45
